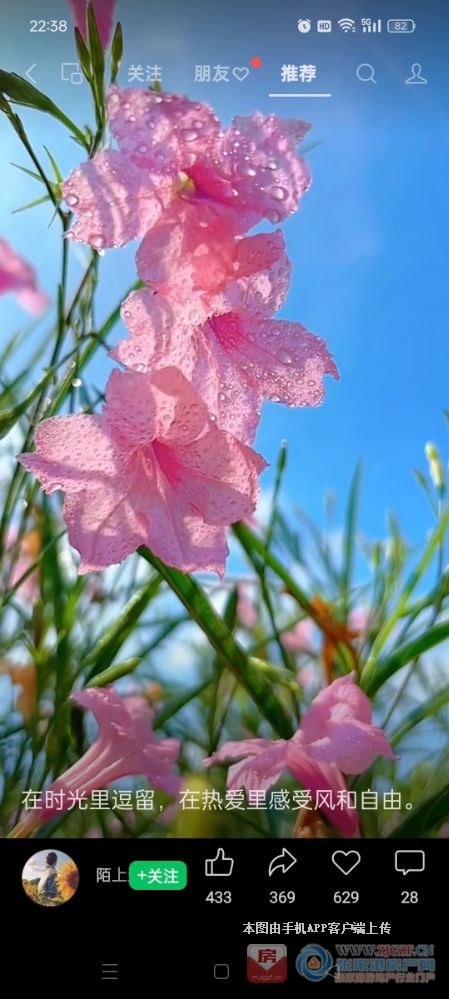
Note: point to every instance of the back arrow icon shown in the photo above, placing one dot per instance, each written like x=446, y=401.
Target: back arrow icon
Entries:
x=30, y=70
x=284, y=861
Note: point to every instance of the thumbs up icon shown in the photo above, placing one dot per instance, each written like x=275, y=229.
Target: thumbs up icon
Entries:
x=219, y=866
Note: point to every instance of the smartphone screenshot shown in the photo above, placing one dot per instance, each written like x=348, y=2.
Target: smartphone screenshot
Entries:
x=224, y=507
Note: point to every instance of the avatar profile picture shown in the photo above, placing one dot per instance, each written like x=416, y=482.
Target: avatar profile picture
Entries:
x=50, y=877
x=314, y=962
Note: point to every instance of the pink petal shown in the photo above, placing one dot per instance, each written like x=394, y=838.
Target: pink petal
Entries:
x=72, y=453
x=140, y=409
x=352, y=745
x=104, y=526
x=175, y=533
x=263, y=763
x=341, y=700
x=256, y=169
x=193, y=251
x=299, y=638
x=282, y=361
x=104, y=14
x=163, y=132
x=115, y=201
x=162, y=336
x=220, y=477
x=321, y=777
x=17, y=276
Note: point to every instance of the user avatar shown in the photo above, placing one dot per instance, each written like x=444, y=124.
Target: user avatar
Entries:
x=50, y=877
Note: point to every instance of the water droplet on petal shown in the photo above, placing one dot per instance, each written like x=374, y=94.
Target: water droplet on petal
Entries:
x=279, y=193
x=284, y=357
x=271, y=165
x=71, y=199
x=189, y=134
x=143, y=148
x=247, y=170
x=97, y=241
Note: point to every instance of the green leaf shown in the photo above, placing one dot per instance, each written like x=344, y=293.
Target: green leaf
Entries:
x=254, y=545
x=114, y=672
x=116, y=51
x=20, y=91
x=426, y=816
x=30, y=173
x=105, y=650
x=31, y=204
x=94, y=43
x=83, y=55
x=221, y=639
x=56, y=170
x=402, y=602
x=349, y=540
x=425, y=710
x=385, y=668
x=10, y=417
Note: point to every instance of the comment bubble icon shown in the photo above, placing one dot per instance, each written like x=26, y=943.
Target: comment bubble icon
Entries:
x=409, y=861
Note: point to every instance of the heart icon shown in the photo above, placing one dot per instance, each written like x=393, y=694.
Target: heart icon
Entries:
x=240, y=72
x=346, y=861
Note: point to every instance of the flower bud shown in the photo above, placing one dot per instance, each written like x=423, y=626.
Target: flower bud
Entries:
x=435, y=466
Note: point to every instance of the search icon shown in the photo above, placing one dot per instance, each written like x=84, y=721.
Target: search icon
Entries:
x=365, y=72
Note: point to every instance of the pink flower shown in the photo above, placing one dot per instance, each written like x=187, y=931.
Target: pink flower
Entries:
x=336, y=737
x=299, y=638
x=16, y=275
x=246, y=612
x=104, y=14
x=125, y=746
x=235, y=360
x=173, y=149
x=151, y=469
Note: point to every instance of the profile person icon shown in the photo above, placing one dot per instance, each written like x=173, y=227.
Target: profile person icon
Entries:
x=416, y=76
x=48, y=884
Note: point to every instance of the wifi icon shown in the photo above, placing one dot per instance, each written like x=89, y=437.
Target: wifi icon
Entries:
x=347, y=24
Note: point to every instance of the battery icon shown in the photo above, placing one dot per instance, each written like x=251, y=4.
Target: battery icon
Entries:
x=401, y=26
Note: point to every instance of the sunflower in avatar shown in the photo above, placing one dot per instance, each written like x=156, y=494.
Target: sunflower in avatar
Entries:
x=67, y=879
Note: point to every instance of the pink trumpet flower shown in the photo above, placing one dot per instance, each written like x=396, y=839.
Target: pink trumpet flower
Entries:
x=172, y=149
x=125, y=746
x=152, y=469
x=336, y=737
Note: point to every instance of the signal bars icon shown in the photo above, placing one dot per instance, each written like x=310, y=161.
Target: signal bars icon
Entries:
x=346, y=24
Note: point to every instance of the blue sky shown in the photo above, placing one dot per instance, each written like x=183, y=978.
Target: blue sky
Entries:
x=369, y=245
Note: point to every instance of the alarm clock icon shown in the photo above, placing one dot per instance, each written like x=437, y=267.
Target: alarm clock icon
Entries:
x=304, y=25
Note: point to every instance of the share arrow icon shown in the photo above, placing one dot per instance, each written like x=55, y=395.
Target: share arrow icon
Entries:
x=283, y=862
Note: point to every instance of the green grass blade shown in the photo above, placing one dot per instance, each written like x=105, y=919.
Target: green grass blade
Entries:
x=221, y=639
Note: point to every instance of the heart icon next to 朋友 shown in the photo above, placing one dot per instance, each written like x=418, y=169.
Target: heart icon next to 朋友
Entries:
x=240, y=72
x=346, y=862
